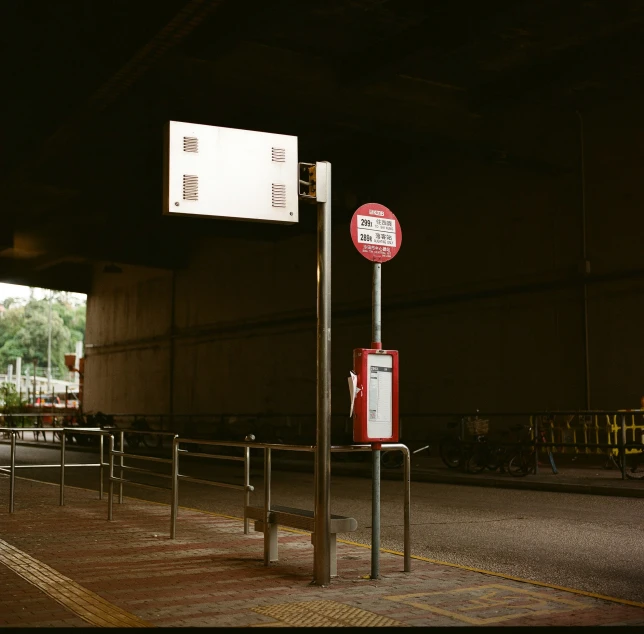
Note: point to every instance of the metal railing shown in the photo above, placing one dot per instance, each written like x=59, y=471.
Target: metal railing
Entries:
x=617, y=433
x=13, y=433
x=614, y=446
x=572, y=431
x=175, y=476
x=246, y=488
x=121, y=454
x=267, y=448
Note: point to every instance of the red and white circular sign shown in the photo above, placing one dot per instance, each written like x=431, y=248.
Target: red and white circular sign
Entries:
x=376, y=232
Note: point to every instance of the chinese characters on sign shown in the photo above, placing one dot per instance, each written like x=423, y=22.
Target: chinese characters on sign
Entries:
x=375, y=232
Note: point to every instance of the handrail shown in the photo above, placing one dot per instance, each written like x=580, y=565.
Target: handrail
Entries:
x=63, y=431
x=268, y=447
x=175, y=476
x=121, y=454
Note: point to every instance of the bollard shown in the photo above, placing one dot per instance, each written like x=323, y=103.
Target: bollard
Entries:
x=12, y=473
x=174, y=510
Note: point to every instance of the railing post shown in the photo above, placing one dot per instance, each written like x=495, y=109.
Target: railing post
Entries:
x=63, y=437
x=122, y=451
x=622, y=451
x=267, y=504
x=407, y=510
x=101, y=457
x=175, y=487
x=12, y=473
x=110, y=497
x=246, y=488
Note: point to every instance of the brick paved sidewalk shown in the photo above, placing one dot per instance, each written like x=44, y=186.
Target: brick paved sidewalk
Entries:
x=69, y=566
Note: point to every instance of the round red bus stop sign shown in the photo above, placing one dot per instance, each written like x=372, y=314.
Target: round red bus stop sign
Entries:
x=376, y=232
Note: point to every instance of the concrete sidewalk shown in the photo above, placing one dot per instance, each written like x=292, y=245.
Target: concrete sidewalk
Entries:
x=69, y=566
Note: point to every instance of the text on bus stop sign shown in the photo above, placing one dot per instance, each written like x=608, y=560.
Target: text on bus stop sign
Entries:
x=376, y=232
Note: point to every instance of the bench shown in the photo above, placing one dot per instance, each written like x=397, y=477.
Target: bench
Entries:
x=298, y=518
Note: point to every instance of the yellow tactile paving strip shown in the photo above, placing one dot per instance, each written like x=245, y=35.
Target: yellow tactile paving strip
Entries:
x=87, y=605
x=323, y=614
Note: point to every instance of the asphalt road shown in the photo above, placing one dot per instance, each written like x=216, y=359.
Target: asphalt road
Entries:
x=585, y=542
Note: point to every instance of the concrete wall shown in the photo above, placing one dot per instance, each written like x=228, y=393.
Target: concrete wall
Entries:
x=484, y=301
x=127, y=344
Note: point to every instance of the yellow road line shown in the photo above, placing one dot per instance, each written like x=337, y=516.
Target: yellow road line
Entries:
x=544, y=584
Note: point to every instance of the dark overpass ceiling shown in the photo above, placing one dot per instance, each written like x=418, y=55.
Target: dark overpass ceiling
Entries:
x=89, y=85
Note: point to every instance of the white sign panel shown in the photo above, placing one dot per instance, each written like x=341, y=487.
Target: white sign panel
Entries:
x=230, y=173
x=379, y=396
x=380, y=231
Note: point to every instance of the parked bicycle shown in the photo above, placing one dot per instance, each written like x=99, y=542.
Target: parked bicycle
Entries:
x=136, y=440
x=456, y=451
x=634, y=456
x=523, y=462
x=487, y=455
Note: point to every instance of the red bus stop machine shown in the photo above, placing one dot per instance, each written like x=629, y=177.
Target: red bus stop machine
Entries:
x=373, y=387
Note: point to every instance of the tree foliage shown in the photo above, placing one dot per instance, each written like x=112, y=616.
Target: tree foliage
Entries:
x=24, y=331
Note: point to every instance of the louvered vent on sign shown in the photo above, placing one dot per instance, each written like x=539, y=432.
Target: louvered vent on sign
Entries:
x=279, y=155
x=279, y=195
x=190, y=187
x=190, y=144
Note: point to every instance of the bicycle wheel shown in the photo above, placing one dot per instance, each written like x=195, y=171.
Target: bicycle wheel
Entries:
x=495, y=456
x=634, y=461
x=391, y=459
x=477, y=460
x=450, y=453
x=519, y=464
x=133, y=440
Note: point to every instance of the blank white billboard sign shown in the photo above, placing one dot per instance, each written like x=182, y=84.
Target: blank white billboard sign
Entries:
x=230, y=173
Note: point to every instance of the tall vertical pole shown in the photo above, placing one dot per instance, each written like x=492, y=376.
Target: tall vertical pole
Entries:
x=322, y=547
x=12, y=470
x=376, y=336
x=49, y=346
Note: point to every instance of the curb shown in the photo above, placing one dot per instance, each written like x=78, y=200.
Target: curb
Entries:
x=424, y=475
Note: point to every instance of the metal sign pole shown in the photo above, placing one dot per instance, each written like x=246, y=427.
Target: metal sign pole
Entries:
x=322, y=546
x=375, y=471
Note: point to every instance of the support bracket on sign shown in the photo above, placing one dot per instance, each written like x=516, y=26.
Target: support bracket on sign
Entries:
x=307, y=182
